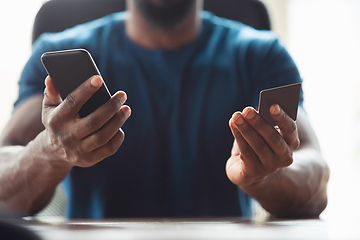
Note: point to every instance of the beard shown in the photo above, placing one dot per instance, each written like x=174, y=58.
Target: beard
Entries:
x=166, y=14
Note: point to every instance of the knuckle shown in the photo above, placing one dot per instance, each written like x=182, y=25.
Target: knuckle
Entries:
x=119, y=118
x=275, y=138
x=296, y=143
x=86, y=89
x=64, y=139
x=288, y=161
x=292, y=128
x=72, y=158
x=90, y=123
x=79, y=152
x=246, y=130
x=285, y=156
x=247, y=151
x=72, y=136
x=259, y=123
x=98, y=139
x=68, y=140
x=113, y=147
x=70, y=101
x=115, y=106
x=260, y=147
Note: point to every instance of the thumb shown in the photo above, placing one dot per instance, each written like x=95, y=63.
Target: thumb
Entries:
x=51, y=95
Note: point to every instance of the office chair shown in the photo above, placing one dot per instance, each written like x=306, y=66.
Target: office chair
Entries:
x=57, y=15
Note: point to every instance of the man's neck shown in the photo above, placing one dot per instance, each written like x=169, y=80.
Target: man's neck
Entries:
x=150, y=37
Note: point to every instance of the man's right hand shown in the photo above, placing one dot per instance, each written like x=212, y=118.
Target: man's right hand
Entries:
x=83, y=141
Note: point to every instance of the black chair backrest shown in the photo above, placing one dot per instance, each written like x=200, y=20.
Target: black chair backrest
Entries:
x=57, y=15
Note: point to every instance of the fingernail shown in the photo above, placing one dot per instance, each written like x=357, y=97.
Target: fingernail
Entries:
x=122, y=98
x=95, y=81
x=250, y=114
x=126, y=111
x=275, y=109
x=237, y=118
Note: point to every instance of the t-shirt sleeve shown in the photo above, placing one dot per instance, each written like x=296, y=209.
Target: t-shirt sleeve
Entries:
x=272, y=67
x=33, y=75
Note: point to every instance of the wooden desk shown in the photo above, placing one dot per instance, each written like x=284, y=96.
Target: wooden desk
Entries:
x=204, y=229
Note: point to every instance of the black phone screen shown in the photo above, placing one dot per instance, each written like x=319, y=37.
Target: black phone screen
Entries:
x=69, y=69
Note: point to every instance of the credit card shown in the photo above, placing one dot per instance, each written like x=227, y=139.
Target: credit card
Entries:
x=286, y=96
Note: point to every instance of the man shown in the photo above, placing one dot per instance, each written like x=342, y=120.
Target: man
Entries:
x=185, y=73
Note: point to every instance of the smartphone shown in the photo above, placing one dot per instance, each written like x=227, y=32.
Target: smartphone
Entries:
x=69, y=69
x=286, y=96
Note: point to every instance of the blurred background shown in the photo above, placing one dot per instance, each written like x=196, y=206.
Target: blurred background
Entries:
x=323, y=37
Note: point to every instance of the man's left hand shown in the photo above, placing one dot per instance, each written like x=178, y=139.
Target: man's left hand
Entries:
x=259, y=149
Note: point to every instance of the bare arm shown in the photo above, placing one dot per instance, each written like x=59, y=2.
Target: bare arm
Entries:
x=27, y=179
x=34, y=158
x=283, y=170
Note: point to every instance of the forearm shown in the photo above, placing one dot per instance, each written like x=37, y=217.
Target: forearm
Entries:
x=296, y=191
x=29, y=175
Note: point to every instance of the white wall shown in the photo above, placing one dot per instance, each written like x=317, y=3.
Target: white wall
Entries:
x=16, y=21
x=324, y=39
x=278, y=11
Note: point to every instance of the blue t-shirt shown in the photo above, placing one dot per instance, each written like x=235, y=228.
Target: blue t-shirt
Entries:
x=172, y=162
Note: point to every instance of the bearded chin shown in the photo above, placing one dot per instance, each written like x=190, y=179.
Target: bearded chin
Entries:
x=166, y=14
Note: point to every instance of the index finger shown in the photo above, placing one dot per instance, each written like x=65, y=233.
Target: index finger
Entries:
x=76, y=99
x=262, y=136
